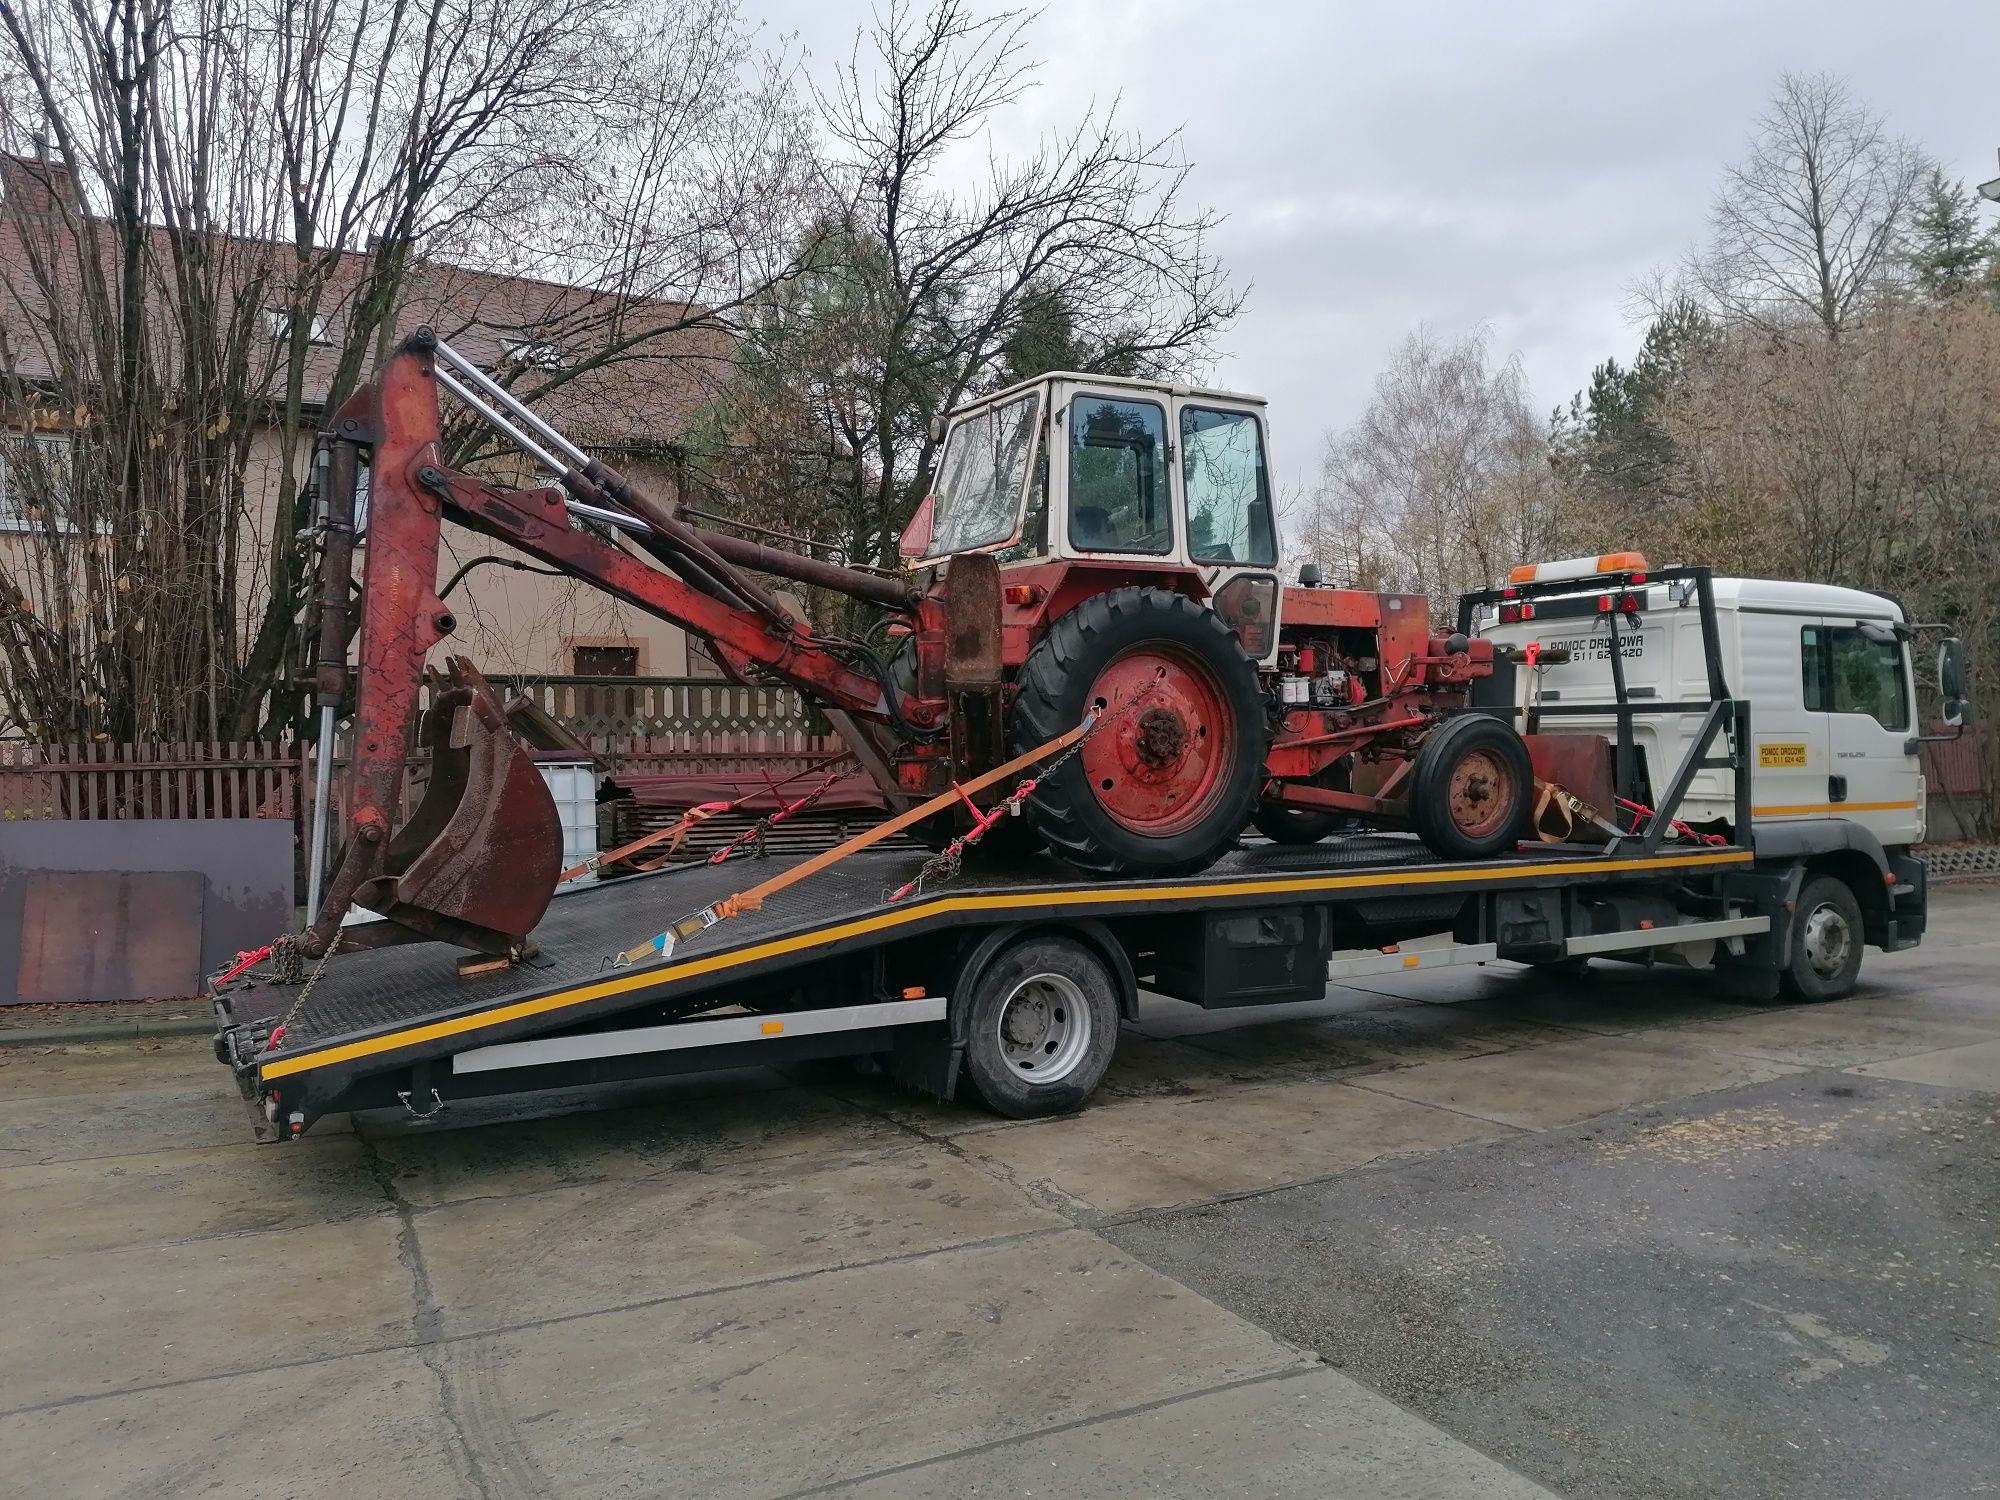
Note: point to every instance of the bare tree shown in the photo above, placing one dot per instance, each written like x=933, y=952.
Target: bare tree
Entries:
x=1807, y=228
x=1443, y=483
x=222, y=211
x=921, y=293
x=1870, y=462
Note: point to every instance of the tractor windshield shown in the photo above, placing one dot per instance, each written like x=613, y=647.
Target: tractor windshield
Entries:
x=982, y=476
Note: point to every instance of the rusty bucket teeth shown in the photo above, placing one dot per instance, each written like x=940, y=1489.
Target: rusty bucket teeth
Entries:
x=477, y=863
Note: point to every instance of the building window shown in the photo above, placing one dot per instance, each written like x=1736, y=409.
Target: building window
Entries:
x=605, y=661
x=701, y=662
x=278, y=325
x=34, y=481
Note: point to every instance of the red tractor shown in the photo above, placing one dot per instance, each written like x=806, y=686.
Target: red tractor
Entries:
x=1094, y=548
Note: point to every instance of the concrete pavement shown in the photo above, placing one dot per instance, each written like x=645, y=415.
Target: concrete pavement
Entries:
x=1464, y=1234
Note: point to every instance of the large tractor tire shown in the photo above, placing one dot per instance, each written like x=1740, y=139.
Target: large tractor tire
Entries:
x=1166, y=783
x=1471, y=788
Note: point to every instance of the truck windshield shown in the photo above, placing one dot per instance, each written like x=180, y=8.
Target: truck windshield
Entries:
x=982, y=476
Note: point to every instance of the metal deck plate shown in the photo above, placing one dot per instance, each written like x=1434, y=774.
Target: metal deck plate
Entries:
x=393, y=990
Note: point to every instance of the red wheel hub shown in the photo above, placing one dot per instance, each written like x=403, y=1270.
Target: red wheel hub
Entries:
x=1482, y=793
x=1162, y=760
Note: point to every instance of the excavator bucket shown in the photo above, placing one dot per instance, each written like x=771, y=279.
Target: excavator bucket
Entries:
x=477, y=863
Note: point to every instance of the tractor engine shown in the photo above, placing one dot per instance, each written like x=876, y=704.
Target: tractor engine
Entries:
x=1359, y=688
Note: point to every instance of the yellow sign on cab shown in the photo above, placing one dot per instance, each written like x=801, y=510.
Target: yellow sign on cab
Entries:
x=1781, y=756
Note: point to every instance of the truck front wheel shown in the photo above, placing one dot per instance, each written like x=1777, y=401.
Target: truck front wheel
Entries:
x=1826, y=941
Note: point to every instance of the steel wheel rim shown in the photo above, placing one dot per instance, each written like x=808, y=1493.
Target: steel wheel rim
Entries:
x=1044, y=1028
x=1478, y=795
x=1159, y=767
x=1828, y=939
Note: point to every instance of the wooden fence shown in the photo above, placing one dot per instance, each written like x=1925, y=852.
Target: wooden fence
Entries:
x=263, y=780
x=100, y=782
x=699, y=709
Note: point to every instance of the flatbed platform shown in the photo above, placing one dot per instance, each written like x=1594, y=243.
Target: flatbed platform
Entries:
x=391, y=1010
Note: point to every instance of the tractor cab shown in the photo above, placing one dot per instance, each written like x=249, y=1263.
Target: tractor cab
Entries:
x=1090, y=469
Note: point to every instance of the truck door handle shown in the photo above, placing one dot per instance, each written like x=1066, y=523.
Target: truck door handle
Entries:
x=1836, y=788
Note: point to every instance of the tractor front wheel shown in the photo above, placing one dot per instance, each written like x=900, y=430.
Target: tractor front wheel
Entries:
x=1168, y=778
x=1470, y=787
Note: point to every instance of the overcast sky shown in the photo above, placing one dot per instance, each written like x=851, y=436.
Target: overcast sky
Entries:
x=1511, y=165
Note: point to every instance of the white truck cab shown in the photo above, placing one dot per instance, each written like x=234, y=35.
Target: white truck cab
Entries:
x=1825, y=670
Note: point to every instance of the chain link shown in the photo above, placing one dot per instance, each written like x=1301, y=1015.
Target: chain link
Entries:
x=949, y=861
x=290, y=956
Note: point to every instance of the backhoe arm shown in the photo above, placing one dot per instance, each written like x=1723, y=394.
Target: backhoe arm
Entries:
x=411, y=494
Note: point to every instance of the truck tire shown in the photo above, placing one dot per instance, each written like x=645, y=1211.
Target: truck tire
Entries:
x=1041, y=1027
x=1470, y=788
x=1826, y=941
x=1166, y=783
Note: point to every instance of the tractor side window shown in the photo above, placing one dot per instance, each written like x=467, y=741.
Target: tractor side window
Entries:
x=981, y=477
x=1228, y=492
x=1846, y=672
x=1118, y=493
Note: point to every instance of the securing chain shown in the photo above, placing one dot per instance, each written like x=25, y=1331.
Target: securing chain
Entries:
x=945, y=865
x=752, y=838
x=290, y=951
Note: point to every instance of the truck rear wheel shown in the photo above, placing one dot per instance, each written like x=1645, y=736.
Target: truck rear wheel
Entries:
x=1825, y=949
x=1470, y=786
x=1167, y=781
x=1041, y=1028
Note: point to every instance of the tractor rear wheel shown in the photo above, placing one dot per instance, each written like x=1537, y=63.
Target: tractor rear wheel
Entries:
x=1470, y=787
x=1167, y=780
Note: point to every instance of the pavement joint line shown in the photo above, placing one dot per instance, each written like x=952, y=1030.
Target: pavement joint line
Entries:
x=1295, y=1372
x=1469, y=1114
x=991, y=1170
x=552, y=1320
x=1927, y=1052
x=427, y=1320
x=1395, y=1158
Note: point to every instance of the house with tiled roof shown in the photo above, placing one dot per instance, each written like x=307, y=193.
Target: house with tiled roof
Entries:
x=622, y=375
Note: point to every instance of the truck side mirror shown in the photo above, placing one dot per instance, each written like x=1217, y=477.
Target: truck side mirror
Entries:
x=937, y=429
x=1957, y=713
x=1951, y=668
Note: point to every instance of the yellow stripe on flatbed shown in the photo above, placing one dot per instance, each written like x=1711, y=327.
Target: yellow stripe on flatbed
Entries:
x=520, y=1010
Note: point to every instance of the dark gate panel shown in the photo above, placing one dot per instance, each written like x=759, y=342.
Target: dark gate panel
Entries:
x=103, y=908
x=110, y=935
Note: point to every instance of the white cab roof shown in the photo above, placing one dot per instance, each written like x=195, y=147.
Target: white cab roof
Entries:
x=1804, y=598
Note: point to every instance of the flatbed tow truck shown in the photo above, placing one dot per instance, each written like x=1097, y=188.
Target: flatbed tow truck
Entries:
x=1015, y=975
